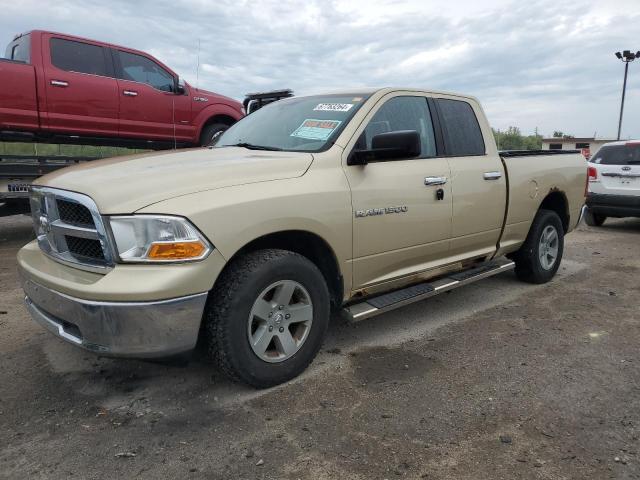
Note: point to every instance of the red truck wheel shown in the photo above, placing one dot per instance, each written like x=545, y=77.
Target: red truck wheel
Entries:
x=210, y=132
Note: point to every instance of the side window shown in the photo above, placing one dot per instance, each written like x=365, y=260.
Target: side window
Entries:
x=20, y=49
x=78, y=57
x=402, y=113
x=141, y=69
x=462, y=135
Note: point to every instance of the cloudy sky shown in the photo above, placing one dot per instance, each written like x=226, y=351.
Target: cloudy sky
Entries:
x=538, y=63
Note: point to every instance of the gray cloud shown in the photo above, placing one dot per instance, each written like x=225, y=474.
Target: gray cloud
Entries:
x=539, y=64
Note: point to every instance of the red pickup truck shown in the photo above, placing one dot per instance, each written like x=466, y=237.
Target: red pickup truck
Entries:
x=59, y=88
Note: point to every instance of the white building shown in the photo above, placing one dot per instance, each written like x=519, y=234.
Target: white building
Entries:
x=587, y=146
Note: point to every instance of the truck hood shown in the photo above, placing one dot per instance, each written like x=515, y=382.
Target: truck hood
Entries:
x=125, y=184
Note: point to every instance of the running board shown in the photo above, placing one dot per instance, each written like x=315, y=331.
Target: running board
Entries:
x=399, y=298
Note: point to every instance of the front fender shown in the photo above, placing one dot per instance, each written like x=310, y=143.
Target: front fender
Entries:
x=233, y=217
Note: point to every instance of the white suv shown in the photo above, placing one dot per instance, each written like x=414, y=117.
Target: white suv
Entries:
x=614, y=182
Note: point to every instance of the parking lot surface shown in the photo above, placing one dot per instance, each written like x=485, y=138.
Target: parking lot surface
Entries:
x=498, y=379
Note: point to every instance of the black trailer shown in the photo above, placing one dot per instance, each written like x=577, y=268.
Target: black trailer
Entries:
x=18, y=171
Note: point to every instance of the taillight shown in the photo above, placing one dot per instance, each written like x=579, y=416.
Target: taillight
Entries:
x=591, y=174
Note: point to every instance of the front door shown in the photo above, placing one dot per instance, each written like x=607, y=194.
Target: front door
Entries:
x=401, y=208
x=150, y=108
x=81, y=93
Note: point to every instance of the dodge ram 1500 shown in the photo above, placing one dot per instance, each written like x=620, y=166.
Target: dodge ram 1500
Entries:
x=362, y=201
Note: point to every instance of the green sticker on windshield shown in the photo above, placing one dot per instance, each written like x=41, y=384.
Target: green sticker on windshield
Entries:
x=313, y=129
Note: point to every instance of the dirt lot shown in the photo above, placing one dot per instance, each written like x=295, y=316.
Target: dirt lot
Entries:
x=496, y=380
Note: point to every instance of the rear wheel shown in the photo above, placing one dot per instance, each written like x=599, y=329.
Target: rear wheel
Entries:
x=267, y=317
x=210, y=132
x=593, y=219
x=539, y=258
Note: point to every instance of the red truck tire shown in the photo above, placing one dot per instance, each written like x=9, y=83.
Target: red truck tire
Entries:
x=210, y=131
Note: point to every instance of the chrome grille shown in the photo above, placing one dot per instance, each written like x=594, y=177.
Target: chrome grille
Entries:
x=69, y=228
x=84, y=248
x=74, y=213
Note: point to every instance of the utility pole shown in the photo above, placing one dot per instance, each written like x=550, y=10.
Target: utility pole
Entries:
x=626, y=57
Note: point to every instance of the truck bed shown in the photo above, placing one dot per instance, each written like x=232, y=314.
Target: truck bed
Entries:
x=557, y=176
x=535, y=153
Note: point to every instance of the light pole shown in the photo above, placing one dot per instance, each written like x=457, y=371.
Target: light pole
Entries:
x=627, y=57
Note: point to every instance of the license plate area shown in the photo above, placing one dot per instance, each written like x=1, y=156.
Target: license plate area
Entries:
x=18, y=187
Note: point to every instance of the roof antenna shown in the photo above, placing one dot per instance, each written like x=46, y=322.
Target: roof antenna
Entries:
x=198, y=67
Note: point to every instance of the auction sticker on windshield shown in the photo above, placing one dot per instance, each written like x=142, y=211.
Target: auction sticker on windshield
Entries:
x=333, y=107
x=313, y=129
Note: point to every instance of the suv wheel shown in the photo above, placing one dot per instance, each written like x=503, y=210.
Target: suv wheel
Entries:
x=539, y=258
x=266, y=317
x=593, y=219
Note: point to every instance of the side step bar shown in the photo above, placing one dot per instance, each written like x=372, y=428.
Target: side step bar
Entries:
x=399, y=298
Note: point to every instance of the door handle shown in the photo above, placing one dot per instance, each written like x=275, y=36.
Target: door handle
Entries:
x=492, y=175
x=130, y=93
x=59, y=83
x=435, y=180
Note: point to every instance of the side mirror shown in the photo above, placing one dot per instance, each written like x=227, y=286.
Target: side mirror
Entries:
x=398, y=145
x=180, y=87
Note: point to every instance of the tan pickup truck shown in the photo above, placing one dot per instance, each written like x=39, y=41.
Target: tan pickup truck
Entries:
x=362, y=201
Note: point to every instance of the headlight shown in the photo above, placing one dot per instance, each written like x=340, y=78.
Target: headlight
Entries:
x=157, y=238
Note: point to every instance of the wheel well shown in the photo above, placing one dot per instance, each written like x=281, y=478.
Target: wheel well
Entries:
x=557, y=202
x=310, y=246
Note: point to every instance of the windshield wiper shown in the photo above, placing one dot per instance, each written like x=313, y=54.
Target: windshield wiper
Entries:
x=251, y=146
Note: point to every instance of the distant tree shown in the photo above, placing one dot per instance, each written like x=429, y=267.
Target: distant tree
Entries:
x=561, y=134
x=533, y=142
x=512, y=139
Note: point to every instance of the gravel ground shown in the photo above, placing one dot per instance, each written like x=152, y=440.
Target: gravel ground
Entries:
x=495, y=380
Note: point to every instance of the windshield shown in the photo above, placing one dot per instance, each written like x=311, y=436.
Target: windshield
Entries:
x=308, y=124
x=628, y=154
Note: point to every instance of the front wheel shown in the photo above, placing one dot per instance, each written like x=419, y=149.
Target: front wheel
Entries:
x=211, y=133
x=539, y=258
x=266, y=317
x=593, y=219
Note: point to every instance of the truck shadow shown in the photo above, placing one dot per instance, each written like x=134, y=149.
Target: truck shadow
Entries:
x=130, y=389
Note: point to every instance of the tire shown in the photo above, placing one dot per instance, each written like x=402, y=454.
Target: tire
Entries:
x=532, y=265
x=209, y=131
x=593, y=219
x=230, y=318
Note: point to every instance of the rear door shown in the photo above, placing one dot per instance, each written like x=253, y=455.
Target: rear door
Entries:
x=81, y=91
x=149, y=105
x=401, y=224
x=618, y=168
x=18, y=96
x=478, y=179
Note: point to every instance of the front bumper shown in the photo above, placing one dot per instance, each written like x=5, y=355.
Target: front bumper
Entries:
x=614, y=205
x=123, y=329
